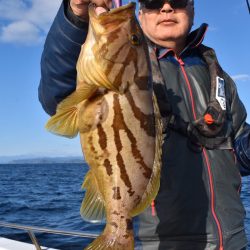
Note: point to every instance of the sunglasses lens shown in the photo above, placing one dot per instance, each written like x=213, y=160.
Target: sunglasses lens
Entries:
x=154, y=4
x=158, y=4
x=178, y=4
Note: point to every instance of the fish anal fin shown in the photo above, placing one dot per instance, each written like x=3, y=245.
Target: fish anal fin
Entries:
x=92, y=208
x=154, y=183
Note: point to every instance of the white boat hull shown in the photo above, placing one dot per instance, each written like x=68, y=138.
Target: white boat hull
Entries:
x=7, y=244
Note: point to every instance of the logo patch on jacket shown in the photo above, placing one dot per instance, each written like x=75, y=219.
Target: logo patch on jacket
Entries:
x=220, y=92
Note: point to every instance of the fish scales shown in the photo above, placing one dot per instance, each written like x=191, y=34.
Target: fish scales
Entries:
x=116, y=114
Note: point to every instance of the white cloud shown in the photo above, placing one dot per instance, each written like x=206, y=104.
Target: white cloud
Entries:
x=241, y=77
x=12, y=9
x=26, y=21
x=21, y=32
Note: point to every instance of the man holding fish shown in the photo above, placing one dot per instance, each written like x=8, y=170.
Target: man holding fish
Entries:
x=198, y=204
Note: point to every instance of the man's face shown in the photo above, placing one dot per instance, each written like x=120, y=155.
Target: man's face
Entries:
x=167, y=25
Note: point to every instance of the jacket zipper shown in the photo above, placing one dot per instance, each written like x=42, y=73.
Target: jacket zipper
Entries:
x=211, y=185
x=212, y=199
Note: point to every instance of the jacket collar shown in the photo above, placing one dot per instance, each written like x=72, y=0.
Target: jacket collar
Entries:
x=194, y=39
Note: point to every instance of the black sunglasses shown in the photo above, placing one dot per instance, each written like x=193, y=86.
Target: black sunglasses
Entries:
x=158, y=4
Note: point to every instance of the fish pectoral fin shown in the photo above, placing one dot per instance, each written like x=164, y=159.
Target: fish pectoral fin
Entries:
x=83, y=92
x=65, y=121
x=154, y=182
x=92, y=208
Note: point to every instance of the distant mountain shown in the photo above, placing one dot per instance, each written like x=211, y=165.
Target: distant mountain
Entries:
x=40, y=160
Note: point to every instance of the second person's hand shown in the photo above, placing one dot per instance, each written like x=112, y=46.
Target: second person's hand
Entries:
x=80, y=7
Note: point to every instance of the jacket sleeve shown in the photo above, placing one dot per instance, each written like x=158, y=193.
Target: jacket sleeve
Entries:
x=242, y=149
x=241, y=135
x=58, y=61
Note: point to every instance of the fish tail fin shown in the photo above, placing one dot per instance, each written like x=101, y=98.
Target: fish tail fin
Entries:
x=112, y=241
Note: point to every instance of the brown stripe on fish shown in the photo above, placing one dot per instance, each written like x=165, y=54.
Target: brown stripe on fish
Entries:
x=118, y=55
x=102, y=137
x=128, y=58
x=113, y=224
x=146, y=121
x=108, y=167
x=137, y=155
x=119, y=124
x=126, y=236
x=126, y=62
x=116, y=213
x=90, y=142
x=124, y=175
x=111, y=54
x=117, y=194
x=142, y=81
x=109, y=71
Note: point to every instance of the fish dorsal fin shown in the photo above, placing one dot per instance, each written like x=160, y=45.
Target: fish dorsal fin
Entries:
x=92, y=208
x=154, y=183
x=65, y=121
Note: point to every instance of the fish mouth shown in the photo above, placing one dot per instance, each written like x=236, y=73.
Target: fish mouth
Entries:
x=128, y=8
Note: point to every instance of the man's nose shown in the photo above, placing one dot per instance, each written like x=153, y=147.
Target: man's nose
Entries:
x=167, y=8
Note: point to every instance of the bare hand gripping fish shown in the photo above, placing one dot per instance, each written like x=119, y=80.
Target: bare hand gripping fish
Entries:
x=116, y=113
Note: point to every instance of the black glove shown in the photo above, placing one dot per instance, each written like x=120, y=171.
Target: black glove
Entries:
x=199, y=139
x=193, y=132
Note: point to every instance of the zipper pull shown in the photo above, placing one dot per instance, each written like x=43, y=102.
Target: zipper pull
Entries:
x=153, y=208
x=180, y=61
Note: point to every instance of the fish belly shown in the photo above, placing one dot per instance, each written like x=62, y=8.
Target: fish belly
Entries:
x=118, y=141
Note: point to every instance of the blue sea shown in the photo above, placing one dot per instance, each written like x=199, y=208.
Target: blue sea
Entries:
x=47, y=196
x=50, y=196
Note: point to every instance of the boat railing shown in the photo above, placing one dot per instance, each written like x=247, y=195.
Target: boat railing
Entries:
x=32, y=229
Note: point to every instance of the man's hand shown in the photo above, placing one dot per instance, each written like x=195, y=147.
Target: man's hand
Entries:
x=80, y=7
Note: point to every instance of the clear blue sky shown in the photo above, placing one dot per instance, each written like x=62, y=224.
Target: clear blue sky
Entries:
x=23, y=27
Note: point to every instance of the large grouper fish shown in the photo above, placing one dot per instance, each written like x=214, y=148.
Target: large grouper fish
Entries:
x=116, y=114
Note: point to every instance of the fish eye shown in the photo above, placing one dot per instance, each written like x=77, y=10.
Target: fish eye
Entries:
x=135, y=40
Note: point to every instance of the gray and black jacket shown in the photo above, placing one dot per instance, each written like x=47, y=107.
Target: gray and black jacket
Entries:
x=198, y=206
